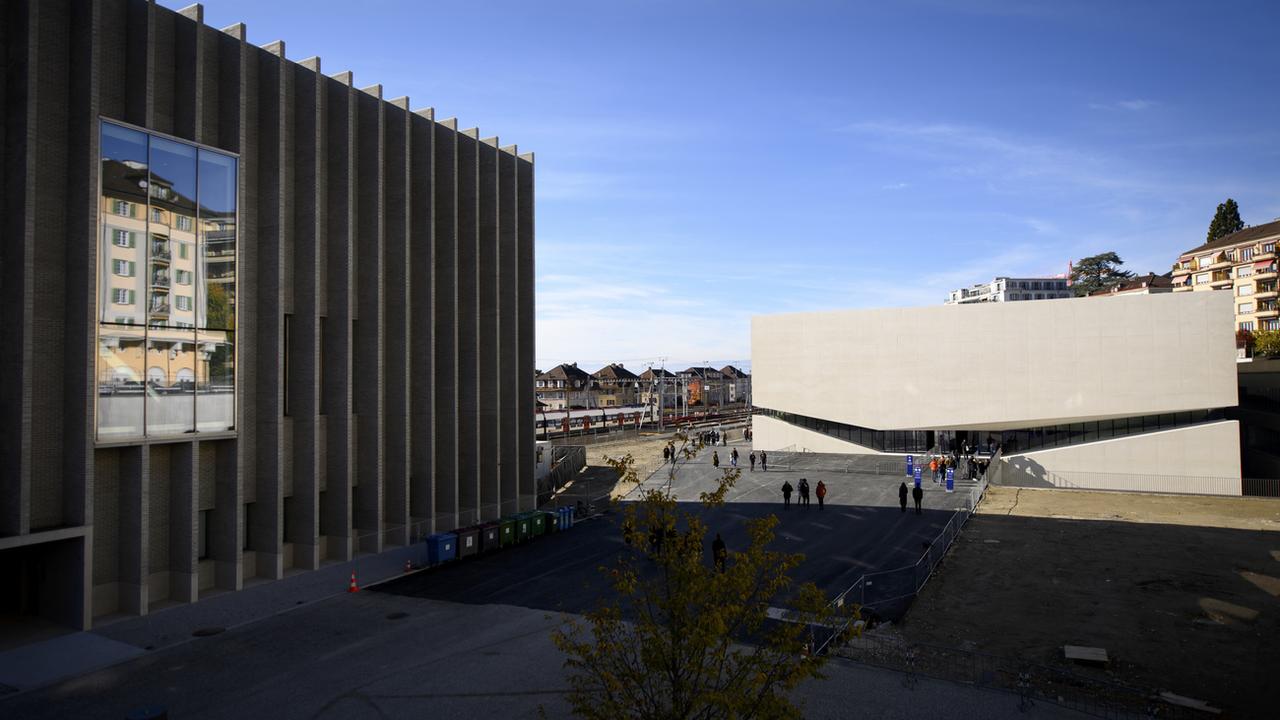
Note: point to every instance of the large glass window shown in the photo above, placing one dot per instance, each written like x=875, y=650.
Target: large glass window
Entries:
x=165, y=337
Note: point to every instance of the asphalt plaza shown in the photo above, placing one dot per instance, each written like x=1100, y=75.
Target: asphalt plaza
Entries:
x=860, y=530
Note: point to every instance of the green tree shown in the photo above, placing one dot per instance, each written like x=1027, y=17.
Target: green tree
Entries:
x=1225, y=221
x=1097, y=272
x=680, y=638
x=1267, y=342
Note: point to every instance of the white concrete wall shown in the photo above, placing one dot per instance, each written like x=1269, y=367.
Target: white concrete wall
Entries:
x=1198, y=459
x=998, y=365
x=770, y=434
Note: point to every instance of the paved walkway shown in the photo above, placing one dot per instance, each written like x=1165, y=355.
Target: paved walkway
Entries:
x=380, y=656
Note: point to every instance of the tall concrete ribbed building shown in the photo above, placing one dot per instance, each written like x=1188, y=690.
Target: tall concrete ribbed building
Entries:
x=255, y=318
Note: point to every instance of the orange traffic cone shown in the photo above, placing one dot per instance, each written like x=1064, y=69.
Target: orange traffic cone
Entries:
x=408, y=566
x=353, y=587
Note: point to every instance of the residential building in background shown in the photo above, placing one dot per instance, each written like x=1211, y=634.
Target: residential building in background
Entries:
x=1243, y=264
x=1149, y=284
x=1006, y=289
x=737, y=385
x=564, y=387
x=1122, y=401
x=256, y=319
x=614, y=386
x=660, y=389
x=704, y=387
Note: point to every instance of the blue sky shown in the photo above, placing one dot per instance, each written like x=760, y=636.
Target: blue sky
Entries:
x=701, y=162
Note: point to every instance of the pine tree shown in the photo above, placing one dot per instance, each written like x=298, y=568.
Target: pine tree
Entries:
x=1225, y=221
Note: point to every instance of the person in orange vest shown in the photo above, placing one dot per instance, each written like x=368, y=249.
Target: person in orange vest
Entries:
x=933, y=469
x=821, y=493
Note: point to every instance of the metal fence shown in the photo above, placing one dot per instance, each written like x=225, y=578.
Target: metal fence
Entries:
x=881, y=590
x=1260, y=487
x=1016, y=473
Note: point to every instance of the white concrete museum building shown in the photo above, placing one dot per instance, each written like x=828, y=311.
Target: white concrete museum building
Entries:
x=1121, y=393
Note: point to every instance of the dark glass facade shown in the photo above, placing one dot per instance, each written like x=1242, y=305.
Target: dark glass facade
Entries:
x=1012, y=441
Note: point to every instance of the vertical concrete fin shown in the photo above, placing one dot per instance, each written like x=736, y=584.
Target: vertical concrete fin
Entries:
x=346, y=77
x=194, y=12
x=275, y=47
x=422, y=221
x=445, y=328
x=428, y=113
x=488, y=305
x=509, y=367
x=397, y=295
x=239, y=31
x=468, y=322
x=374, y=90
x=312, y=63
x=368, y=381
x=525, y=332
x=336, y=341
x=451, y=123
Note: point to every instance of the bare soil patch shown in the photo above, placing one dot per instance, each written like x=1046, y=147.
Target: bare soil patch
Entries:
x=1182, y=592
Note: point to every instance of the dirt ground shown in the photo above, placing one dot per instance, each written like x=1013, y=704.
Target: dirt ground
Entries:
x=1182, y=592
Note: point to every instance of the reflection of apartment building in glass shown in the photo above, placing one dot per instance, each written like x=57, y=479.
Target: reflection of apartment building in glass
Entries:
x=256, y=319
x=1243, y=264
x=1005, y=289
x=1109, y=393
x=704, y=386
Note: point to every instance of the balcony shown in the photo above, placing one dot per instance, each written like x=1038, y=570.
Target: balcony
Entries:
x=1258, y=253
x=1265, y=291
x=160, y=280
x=1268, y=310
x=1220, y=278
x=1265, y=272
x=159, y=309
x=160, y=252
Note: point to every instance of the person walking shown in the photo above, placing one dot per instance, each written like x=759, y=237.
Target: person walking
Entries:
x=715, y=459
x=917, y=494
x=719, y=553
x=733, y=457
x=902, y=496
x=752, y=458
x=764, y=461
x=666, y=454
x=933, y=469
x=786, y=495
x=804, y=492
x=821, y=492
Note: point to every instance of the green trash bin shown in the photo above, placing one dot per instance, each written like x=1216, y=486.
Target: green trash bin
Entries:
x=523, y=527
x=550, y=520
x=537, y=523
x=507, y=532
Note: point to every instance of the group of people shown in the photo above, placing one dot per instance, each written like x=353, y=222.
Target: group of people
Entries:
x=713, y=437
x=733, y=458
x=821, y=492
x=917, y=494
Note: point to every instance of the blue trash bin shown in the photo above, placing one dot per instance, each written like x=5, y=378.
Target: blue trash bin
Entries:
x=564, y=518
x=442, y=547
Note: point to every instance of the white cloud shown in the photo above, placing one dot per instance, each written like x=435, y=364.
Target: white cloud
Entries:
x=1135, y=105
x=895, y=186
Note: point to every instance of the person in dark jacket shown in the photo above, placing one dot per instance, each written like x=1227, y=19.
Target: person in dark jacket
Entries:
x=752, y=458
x=719, y=553
x=902, y=496
x=804, y=492
x=821, y=492
x=764, y=461
x=917, y=494
x=715, y=459
x=786, y=494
